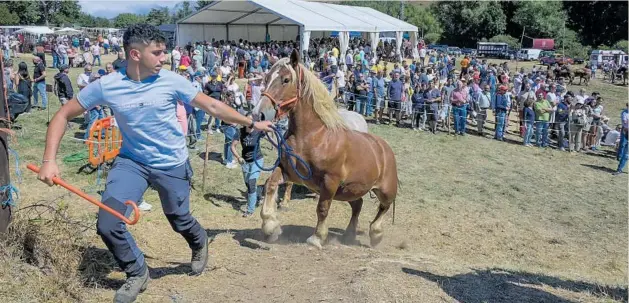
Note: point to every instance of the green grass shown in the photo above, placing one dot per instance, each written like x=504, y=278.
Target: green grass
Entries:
x=477, y=220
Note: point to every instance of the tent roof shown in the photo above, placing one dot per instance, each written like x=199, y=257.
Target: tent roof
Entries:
x=313, y=16
x=36, y=30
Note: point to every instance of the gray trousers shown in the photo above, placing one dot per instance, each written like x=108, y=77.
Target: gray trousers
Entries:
x=481, y=116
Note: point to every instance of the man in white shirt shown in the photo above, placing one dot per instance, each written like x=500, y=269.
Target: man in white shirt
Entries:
x=175, y=58
x=340, y=83
x=613, y=136
x=96, y=53
x=84, y=78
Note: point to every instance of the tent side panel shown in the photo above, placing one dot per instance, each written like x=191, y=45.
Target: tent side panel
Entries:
x=218, y=32
x=190, y=33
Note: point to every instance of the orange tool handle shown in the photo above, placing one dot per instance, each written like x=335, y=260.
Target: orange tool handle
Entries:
x=80, y=193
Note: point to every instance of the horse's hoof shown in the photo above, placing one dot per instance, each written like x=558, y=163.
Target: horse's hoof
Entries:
x=275, y=235
x=314, y=241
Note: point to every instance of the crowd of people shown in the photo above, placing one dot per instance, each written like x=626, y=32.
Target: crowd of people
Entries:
x=426, y=93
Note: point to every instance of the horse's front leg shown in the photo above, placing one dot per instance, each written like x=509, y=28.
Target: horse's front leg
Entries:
x=270, y=224
x=326, y=195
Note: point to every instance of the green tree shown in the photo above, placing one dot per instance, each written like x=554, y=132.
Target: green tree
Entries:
x=622, y=45
x=158, y=16
x=202, y=3
x=513, y=42
x=467, y=22
x=27, y=11
x=598, y=22
x=7, y=17
x=125, y=19
x=541, y=19
x=182, y=10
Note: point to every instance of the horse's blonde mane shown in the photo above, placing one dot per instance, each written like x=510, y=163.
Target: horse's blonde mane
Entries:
x=316, y=94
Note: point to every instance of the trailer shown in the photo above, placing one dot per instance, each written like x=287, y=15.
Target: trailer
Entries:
x=492, y=49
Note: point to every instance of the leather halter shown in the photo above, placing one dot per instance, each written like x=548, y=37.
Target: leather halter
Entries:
x=278, y=105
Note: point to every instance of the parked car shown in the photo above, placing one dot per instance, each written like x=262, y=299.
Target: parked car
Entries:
x=454, y=51
x=579, y=60
x=558, y=59
x=468, y=51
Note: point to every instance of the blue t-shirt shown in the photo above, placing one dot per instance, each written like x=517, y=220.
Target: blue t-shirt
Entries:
x=379, y=85
x=145, y=112
x=395, y=90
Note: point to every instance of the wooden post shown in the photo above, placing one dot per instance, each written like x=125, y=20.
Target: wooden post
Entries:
x=5, y=177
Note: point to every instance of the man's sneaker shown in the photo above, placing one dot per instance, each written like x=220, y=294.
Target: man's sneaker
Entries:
x=144, y=206
x=232, y=164
x=199, y=259
x=132, y=287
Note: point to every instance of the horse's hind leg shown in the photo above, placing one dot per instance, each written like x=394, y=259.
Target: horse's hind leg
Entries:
x=376, y=231
x=287, y=194
x=350, y=232
x=270, y=225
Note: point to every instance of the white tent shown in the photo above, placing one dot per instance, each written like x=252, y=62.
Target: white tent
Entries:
x=35, y=30
x=68, y=31
x=283, y=20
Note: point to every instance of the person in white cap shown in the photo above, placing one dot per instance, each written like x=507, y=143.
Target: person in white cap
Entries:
x=577, y=122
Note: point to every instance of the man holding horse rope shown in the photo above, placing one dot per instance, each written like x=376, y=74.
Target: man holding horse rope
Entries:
x=144, y=97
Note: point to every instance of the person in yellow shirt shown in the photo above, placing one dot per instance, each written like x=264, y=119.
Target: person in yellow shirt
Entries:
x=335, y=52
x=465, y=63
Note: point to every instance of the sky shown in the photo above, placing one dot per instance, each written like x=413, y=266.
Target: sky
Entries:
x=111, y=8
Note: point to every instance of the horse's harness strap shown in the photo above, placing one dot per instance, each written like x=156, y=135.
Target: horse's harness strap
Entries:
x=279, y=105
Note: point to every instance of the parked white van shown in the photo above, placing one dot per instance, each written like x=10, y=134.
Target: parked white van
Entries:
x=598, y=57
x=529, y=54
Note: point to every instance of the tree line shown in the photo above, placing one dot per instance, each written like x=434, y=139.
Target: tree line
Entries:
x=576, y=26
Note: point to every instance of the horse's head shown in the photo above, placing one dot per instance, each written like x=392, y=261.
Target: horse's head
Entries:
x=282, y=89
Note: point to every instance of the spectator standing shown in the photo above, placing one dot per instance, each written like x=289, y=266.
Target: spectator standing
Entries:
x=500, y=106
x=543, y=108
x=39, y=88
x=96, y=54
x=483, y=102
x=24, y=84
x=459, y=108
x=395, y=98
x=250, y=163
x=379, y=93
x=623, y=152
x=529, y=119
x=561, y=120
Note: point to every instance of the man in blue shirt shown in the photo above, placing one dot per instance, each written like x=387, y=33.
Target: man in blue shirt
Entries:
x=623, y=152
x=144, y=98
x=500, y=105
x=561, y=120
x=379, y=93
x=395, y=98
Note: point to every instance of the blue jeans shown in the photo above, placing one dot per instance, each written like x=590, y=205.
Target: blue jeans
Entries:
x=199, y=115
x=360, y=104
x=623, y=152
x=39, y=88
x=55, y=61
x=250, y=174
x=500, y=123
x=6, y=54
x=217, y=123
x=541, y=133
x=460, y=114
x=96, y=57
x=92, y=115
x=128, y=180
x=230, y=133
x=63, y=59
x=528, y=133
x=369, y=106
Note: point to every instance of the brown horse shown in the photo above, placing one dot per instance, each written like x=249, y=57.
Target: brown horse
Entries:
x=345, y=164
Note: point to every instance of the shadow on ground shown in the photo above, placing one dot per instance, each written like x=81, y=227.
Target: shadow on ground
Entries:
x=291, y=234
x=500, y=285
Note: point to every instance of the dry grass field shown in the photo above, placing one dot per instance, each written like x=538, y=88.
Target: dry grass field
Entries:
x=477, y=221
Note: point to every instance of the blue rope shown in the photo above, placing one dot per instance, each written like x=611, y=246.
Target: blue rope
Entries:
x=9, y=190
x=282, y=149
x=18, y=172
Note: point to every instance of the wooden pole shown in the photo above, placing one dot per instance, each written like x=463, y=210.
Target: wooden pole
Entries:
x=5, y=177
x=516, y=56
x=207, y=151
